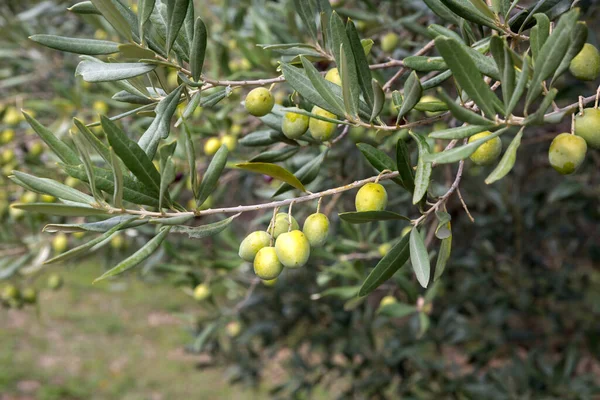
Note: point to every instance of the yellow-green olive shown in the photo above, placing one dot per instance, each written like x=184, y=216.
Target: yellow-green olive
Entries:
x=387, y=300
x=587, y=126
x=252, y=244
x=211, y=146
x=319, y=129
x=294, y=125
x=282, y=224
x=201, y=292
x=316, y=229
x=389, y=41
x=586, y=64
x=259, y=102
x=488, y=152
x=371, y=197
x=293, y=249
x=266, y=264
x=333, y=75
x=567, y=152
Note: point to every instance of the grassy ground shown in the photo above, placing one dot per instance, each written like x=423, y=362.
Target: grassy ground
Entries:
x=108, y=341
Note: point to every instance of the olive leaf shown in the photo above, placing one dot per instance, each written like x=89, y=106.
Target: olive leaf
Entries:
x=74, y=45
x=508, y=160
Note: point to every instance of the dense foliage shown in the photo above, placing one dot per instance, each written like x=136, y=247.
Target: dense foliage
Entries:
x=463, y=263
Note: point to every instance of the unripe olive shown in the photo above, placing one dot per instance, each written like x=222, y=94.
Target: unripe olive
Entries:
x=586, y=65
x=233, y=328
x=60, y=243
x=100, y=107
x=46, y=198
x=54, y=282
x=405, y=231
x=387, y=300
x=384, y=248
x=201, y=292
x=29, y=295
x=321, y=130
x=28, y=197
x=282, y=224
x=269, y=282
x=266, y=263
x=293, y=249
x=71, y=182
x=259, y=102
x=7, y=136
x=333, y=76
x=10, y=292
x=316, y=229
x=8, y=155
x=229, y=141
x=117, y=242
x=567, y=152
x=371, y=197
x=430, y=99
x=294, y=125
x=588, y=127
x=252, y=244
x=389, y=42
x=488, y=152
x=211, y=146
x=12, y=116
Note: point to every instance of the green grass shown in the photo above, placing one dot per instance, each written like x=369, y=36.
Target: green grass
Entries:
x=120, y=340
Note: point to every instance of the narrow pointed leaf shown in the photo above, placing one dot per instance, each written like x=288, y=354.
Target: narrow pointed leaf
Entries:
x=75, y=45
x=176, y=11
x=379, y=160
x=132, y=155
x=145, y=8
x=520, y=87
x=444, y=255
x=110, y=12
x=466, y=73
x=362, y=67
x=424, y=168
x=212, y=174
x=274, y=171
x=412, y=94
x=118, y=174
x=378, y=99
x=198, y=49
x=419, y=258
x=308, y=16
x=58, y=147
x=65, y=210
x=341, y=45
x=370, y=216
x=459, y=132
x=405, y=168
x=161, y=126
x=387, y=266
x=53, y=188
x=191, y=158
x=108, y=72
x=306, y=174
x=166, y=178
x=87, y=247
x=349, y=95
x=202, y=231
x=100, y=226
x=461, y=113
x=508, y=160
x=462, y=152
x=539, y=34
x=82, y=148
x=93, y=140
x=143, y=253
x=320, y=84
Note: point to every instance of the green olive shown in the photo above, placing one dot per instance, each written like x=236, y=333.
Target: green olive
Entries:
x=10, y=292
x=229, y=141
x=389, y=42
x=233, y=328
x=282, y=224
x=201, y=292
x=567, y=152
x=371, y=197
x=269, y=282
x=316, y=229
x=588, y=127
x=294, y=125
x=586, y=64
x=384, y=248
x=60, y=243
x=321, y=130
x=488, y=152
x=259, y=102
x=29, y=295
x=387, y=300
x=333, y=75
x=117, y=242
x=54, y=282
x=293, y=249
x=266, y=264
x=211, y=146
x=252, y=244
x=7, y=136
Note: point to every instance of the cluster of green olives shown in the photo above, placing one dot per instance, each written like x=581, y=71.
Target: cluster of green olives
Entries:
x=567, y=151
x=13, y=297
x=292, y=245
x=212, y=145
x=259, y=102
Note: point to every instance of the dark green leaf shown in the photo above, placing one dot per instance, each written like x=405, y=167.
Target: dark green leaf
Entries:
x=444, y=255
x=176, y=11
x=379, y=99
x=397, y=310
x=145, y=8
x=379, y=160
x=459, y=132
x=419, y=258
x=334, y=104
x=275, y=155
x=539, y=34
x=370, y=216
x=118, y=182
x=508, y=160
x=520, y=87
x=423, y=172
x=405, y=168
x=412, y=94
x=58, y=147
x=114, y=17
x=198, y=49
x=387, y=266
x=461, y=113
x=65, y=210
x=362, y=66
x=468, y=11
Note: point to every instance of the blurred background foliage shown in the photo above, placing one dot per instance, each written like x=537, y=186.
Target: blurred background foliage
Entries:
x=516, y=315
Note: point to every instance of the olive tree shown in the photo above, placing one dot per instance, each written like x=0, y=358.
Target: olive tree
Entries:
x=368, y=143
